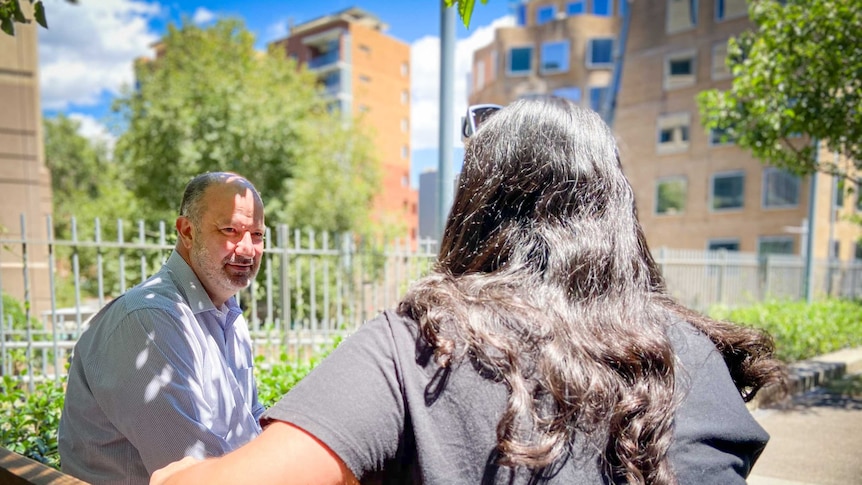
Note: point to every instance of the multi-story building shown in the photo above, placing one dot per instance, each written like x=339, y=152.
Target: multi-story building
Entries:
x=695, y=189
x=366, y=74
x=557, y=47
x=25, y=183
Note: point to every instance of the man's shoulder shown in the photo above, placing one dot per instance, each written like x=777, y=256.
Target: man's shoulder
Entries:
x=158, y=292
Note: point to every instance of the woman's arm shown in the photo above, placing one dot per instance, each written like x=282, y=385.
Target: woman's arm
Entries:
x=282, y=454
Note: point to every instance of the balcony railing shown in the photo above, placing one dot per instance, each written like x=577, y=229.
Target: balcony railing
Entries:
x=324, y=60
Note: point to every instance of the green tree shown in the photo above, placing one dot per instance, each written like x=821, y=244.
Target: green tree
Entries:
x=797, y=77
x=86, y=184
x=212, y=102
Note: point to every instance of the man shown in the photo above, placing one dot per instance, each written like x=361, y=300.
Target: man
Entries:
x=165, y=370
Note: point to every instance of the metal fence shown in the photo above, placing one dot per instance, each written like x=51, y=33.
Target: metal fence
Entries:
x=311, y=288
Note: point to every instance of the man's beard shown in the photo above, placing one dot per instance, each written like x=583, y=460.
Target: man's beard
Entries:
x=217, y=273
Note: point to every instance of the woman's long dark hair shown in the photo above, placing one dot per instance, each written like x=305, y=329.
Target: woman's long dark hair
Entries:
x=545, y=282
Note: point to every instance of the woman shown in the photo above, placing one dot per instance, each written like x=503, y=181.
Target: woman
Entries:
x=542, y=348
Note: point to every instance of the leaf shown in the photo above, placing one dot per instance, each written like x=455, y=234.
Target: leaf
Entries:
x=465, y=9
x=6, y=25
x=39, y=14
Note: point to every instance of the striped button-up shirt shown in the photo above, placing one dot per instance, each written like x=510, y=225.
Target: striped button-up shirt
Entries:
x=160, y=373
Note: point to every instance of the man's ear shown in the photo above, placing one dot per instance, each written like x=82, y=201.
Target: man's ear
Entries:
x=185, y=229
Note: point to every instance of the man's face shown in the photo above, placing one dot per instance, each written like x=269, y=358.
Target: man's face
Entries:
x=228, y=241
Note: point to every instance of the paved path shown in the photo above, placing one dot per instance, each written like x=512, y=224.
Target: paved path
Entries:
x=815, y=439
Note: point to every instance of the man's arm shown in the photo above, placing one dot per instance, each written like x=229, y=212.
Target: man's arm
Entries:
x=282, y=454
x=149, y=381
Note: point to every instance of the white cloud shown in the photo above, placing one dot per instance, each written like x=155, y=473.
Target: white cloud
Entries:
x=94, y=130
x=203, y=15
x=425, y=82
x=90, y=47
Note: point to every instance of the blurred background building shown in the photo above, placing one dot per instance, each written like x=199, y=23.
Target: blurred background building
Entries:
x=694, y=189
x=366, y=74
x=25, y=183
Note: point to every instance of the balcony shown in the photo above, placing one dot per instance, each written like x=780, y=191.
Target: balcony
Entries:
x=327, y=59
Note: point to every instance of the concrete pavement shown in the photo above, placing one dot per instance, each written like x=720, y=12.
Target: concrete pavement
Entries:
x=816, y=434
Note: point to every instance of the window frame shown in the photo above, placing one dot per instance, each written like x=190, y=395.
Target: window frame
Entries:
x=726, y=17
x=590, y=63
x=680, y=82
x=695, y=15
x=583, y=5
x=673, y=121
x=724, y=72
x=671, y=178
x=771, y=239
x=566, y=56
x=712, y=179
x=545, y=8
x=765, y=177
x=528, y=71
x=610, y=9
x=713, y=143
x=723, y=241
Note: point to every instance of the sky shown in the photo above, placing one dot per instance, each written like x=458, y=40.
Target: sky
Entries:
x=86, y=55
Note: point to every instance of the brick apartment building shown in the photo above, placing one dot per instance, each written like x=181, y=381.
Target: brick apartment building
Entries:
x=366, y=74
x=694, y=189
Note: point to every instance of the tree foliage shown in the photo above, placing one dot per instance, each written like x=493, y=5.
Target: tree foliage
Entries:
x=797, y=77
x=85, y=182
x=212, y=102
x=465, y=8
x=11, y=13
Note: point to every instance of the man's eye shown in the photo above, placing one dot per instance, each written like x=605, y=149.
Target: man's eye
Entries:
x=228, y=230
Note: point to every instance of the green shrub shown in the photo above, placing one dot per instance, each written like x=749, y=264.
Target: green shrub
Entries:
x=31, y=419
x=274, y=380
x=802, y=331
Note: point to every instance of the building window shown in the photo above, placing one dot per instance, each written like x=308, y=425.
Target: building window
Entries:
x=365, y=49
x=728, y=9
x=364, y=79
x=404, y=151
x=597, y=97
x=603, y=7
x=479, y=80
x=545, y=14
x=521, y=15
x=520, y=61
x=555, y=57
x=600, y=52
x=767, y=245
x=719, y=137
x=857, y=254
x=572, y=93
x=404, y=125
x=838, y=185
x=575, y=8
x=681, y=15
x=670, y=194
x=727, y=191
x=405, y=69
x=405, y=180
x=679, y=69
x=363, y=108
x=673, y=133
x=722, y=244
x=494, y=66
x=780, y=188
x=719, y=61
x=405, y=97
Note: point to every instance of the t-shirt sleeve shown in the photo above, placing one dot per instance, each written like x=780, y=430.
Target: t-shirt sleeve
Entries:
x=353, y=400
x=716, y=439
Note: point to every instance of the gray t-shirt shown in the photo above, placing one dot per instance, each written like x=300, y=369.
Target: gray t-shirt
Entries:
x=381, y=403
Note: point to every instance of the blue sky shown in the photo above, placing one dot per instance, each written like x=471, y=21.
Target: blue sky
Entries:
x=86, y=56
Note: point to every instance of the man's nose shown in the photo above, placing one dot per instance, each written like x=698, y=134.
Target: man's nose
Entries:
x=245, y=246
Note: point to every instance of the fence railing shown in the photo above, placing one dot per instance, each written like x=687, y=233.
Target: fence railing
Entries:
x=311, y=287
